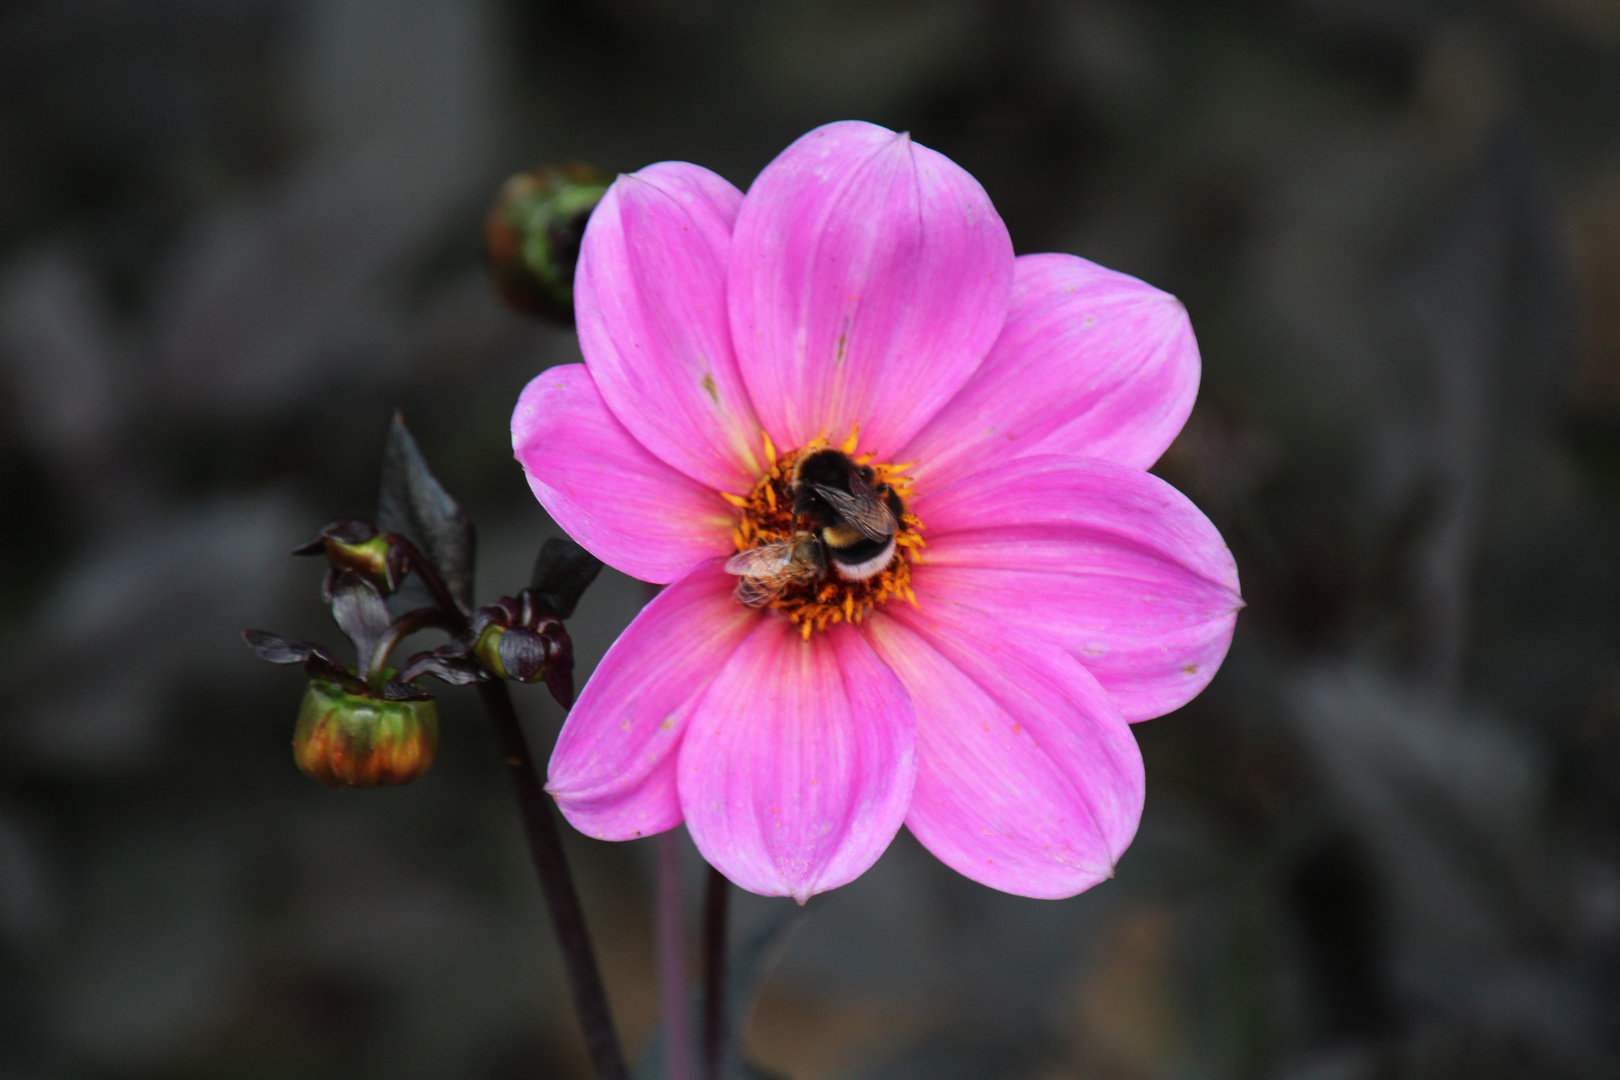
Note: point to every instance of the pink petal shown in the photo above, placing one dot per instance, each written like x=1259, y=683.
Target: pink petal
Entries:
x=1109, y=562
x=869, y=276
x=620, y=502
x=1091, y=362
x=797, y=768
x=650, y=295
x=613, y=770
x=1028, y=779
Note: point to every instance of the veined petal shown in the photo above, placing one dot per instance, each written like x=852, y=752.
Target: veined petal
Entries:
x=1112, y=563
x=1091, y=362
x=650, y=300
x=797, y=766
x=869, y=277
x=613, y=770
x=1028, y=778
x=609, y=492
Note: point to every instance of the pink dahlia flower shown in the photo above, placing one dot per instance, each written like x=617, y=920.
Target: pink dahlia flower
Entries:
x=1045, y=590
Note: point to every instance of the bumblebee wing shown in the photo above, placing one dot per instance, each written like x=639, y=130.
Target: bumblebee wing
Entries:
x=861, y=507
x=765, y=560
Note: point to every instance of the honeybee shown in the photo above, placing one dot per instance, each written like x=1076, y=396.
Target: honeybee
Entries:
x=768, y=571
x=850, y=528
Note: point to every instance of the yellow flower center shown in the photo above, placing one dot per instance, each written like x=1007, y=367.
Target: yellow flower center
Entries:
x=825, y=600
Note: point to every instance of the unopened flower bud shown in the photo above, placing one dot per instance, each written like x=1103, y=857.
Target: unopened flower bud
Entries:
x=513, y=639
x=533, y=234
x=524, y=654
x=345, y=740
x=356, y=546
x=512, y=652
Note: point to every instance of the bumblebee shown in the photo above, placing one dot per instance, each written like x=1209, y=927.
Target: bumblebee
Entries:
x=855, y=520
x=848, y=527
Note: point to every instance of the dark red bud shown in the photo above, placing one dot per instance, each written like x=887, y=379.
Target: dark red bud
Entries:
x=523, y=654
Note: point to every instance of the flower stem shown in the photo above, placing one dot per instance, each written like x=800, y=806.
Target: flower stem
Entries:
x=714, y=974
x=545, y=844
x=672, y=960
x=567, y=917
x=402, y=628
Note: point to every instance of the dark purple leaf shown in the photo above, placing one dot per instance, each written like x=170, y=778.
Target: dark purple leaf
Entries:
x=559, y=664
x=361, y=614
x=319, y=663
x=453, y=671
x=413, y=503
x=323, y=665
x=460, y=645
x=562, y=572
x=399, y=691
x=277, y=650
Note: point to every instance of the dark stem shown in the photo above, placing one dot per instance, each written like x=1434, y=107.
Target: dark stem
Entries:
x=403, y=627
x=672, y=978
x=714, y=974
x=568, y=918
x=545, y=844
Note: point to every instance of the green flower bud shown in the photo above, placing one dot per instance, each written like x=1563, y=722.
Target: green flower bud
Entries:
x=344, y=740
x=533, y=234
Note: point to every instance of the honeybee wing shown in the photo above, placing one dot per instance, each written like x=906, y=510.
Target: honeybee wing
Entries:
x=764, y=561
x=796, y=559
x=757, y=592
x=767, y=571
x=861, y=507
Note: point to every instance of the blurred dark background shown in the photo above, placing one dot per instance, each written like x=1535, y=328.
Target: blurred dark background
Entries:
x=235, y=234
